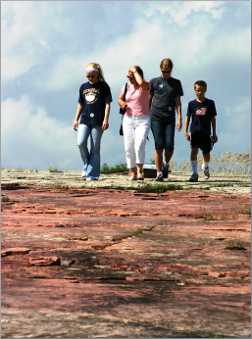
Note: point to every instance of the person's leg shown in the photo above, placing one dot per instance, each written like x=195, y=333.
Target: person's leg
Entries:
x=129, y=139
x=194, y=154
x=157, y=129
x=142, y=127
x=82, y=139
x=194, y=162
x=94, y=166
x=169, y=146
x=206, y=149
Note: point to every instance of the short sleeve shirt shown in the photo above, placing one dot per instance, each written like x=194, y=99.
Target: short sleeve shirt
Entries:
x=137, y=99
x=201, y=114
x=164, y=93
x=92, y=98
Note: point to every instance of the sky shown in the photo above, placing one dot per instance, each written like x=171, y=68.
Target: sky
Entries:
x=45, y=46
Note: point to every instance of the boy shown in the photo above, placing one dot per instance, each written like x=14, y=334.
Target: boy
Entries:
x=202, y=113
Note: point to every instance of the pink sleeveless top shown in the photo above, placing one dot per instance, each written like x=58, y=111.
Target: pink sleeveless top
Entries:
x=137, y=100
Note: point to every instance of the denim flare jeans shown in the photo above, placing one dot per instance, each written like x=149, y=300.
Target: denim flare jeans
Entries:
x=90, y=157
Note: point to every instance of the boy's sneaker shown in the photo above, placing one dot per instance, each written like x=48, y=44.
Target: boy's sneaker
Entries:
x=83, y=175
x=165, y=170
x=194, y=177
x=206, y=172
x=160, y=177
x=92, y=178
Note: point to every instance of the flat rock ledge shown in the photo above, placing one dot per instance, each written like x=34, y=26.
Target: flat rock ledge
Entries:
x=115, y=258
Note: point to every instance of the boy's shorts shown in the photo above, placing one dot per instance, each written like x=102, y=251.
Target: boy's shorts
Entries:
x=202, y=141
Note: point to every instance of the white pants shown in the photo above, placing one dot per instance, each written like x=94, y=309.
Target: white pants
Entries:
x=135, y=132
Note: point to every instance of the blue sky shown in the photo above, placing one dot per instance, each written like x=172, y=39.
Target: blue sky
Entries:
x=46, y=45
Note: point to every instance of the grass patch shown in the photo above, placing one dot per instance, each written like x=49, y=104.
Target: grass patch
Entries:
x=158, y=188
x=208, y=216
x=245, y=210
x=106, y=169
x=237, y=245
x=53, y=169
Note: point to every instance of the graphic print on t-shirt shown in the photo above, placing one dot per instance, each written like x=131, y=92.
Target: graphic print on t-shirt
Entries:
x=91, y=95
x=201, y=111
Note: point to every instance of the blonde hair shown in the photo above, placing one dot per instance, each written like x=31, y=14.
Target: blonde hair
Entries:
x=93, y=66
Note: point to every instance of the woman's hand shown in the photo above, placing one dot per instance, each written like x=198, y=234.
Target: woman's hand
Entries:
x=188, y=136
x=75, y=125
x=105, y=124
x=123, y=104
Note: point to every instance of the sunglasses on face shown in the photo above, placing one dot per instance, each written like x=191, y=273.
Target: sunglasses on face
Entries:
x=166, y=72
x=130, y=77
x=90, y=76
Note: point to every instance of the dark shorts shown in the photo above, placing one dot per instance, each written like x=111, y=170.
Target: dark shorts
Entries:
x=202, y=141
x=163, y=134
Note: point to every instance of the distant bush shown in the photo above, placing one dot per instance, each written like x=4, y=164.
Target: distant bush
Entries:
x=53, y=169
x=226, y=163
x=106, y=169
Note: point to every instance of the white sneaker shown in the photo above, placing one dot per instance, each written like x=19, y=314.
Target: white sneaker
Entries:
x=83, y=174
x=206, y=172
x=92, y=178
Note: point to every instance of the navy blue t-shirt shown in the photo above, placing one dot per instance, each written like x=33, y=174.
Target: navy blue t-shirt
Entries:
x=164, y=93
x=201, y=114
x=92, y=98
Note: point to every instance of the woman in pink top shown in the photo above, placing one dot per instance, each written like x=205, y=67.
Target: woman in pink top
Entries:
x=136, y=121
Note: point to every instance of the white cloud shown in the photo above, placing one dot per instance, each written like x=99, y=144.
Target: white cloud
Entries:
x=235, y=129
x=180, y=11
x=31, y=138
x=190, y=47
x=26, y=27
x=115, y=60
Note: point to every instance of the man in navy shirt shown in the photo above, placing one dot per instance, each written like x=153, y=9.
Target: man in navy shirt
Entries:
x=92, y=118
x=202, y=114
x=165, y=101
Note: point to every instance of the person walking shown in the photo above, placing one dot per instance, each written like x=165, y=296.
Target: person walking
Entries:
x=92, y=119
x=165, y=101
x=202, y=113
x=136, y=120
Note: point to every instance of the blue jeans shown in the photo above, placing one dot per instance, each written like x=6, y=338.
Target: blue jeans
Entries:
x=91, y=158
x=163, y=134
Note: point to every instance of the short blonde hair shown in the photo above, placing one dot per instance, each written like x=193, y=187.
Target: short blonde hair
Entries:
x=95, y=67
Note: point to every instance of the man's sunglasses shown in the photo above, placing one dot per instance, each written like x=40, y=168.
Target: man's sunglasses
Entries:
x=166, y=72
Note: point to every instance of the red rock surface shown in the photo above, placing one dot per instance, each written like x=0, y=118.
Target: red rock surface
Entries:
x=113, y=263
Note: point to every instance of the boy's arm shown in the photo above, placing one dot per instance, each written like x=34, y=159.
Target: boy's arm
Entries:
x=213, y=122
x=187, y=134
x=178, y=106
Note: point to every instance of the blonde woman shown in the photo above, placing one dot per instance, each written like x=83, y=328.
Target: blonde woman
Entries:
x=92, y=118
x=136, y=121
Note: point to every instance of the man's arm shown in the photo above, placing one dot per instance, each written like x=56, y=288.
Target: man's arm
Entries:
x=178, y=107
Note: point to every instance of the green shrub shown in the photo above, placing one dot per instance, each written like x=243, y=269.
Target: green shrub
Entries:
x=106, y=169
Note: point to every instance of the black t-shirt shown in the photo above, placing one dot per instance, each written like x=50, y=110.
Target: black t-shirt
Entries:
x=164, y=93
x=92, y=98
x=201, y=114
